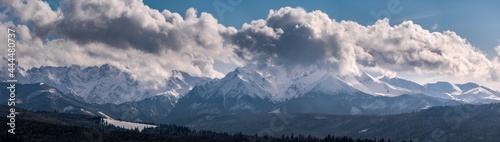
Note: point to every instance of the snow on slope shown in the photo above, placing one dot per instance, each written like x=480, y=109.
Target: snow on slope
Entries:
x=104, y=84
x=179, y=84
x=276, y=84
x=125, y=124
x=371, y=85
x=107, y=84
x=128, y=125
x=479, y=95
x=468, y=92
x=279, y=84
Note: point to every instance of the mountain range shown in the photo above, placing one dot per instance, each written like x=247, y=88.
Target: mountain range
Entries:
x=188, y=100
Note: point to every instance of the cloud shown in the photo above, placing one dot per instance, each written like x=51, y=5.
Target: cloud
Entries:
x=123, y=24
x=127, y=33
x=435, y=26
x=496, y=66
x=149, y=43
x=498, y=50
x=294, y=37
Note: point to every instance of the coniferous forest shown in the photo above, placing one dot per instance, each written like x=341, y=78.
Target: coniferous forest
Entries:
x=54, y=126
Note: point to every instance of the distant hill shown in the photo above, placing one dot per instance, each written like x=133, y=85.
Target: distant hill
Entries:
x=54, y=126
x=447, y=123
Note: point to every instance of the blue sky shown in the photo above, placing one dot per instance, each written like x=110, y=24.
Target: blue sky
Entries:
x=477, y=21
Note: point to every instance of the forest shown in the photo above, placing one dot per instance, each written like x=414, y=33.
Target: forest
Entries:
x=55, y=126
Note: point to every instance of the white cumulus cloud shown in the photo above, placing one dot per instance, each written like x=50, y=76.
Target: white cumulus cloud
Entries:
x=498, y=50
x=297, y=38
x=126, y=33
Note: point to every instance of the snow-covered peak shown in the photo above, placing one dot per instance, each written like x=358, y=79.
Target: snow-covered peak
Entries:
x=479, y=90
x=444, y=87
x=107, y=83
x=96, y=84
x=243, y=81
x=371, y=85
x=403, y=83
x=179, y=74
x=329, y=83
x=467, y=86
x=180, y=83
x=280, y=84
x=479, y=95
x=468, y=92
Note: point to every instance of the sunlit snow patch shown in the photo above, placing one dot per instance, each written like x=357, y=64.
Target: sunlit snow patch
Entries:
x=125, y=124
x=320, y=117
x=88, y=112
x=275, y=111
x=363, y=131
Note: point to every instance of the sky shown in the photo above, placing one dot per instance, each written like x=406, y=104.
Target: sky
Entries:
x=421, y=40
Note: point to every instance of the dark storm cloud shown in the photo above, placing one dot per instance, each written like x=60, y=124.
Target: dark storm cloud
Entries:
x=294, y=47
x=285, y=39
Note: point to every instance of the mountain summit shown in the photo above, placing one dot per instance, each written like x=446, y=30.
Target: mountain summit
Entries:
x=107, y=83
x=246, y=90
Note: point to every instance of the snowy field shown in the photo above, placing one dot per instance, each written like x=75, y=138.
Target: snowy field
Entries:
x=125, y=124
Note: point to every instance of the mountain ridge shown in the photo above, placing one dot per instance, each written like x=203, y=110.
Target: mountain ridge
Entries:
x=106, y=83
x=248, y=90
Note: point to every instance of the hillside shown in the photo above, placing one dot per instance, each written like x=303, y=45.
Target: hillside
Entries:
x=53, y=126
x=448, y=123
